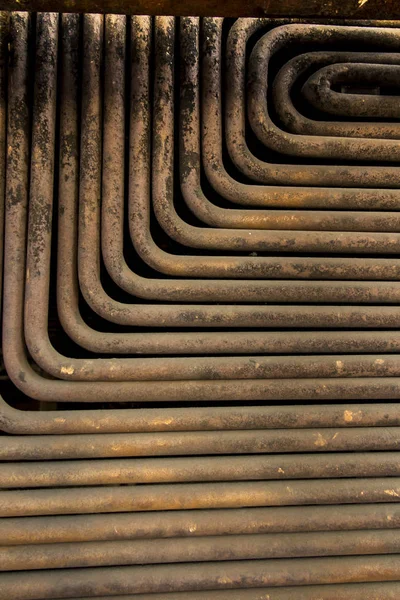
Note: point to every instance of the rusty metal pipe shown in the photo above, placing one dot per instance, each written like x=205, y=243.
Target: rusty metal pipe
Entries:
x=187, y=368
x=200, y=549
x=222, y=575
x=103, y=499
x=4, y=35
x=353, y=591
x=196, y=418
x=172, y=524
x=184, y=469
x=46, y=390
x=192, y=443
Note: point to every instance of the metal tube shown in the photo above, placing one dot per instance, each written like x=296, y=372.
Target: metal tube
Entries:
x=4, y=36
x=185, y=469
x=353, y=591
x=196, y=418
x=222, y=548
x=192, y=443
x=194, y=523
x=223, y=575
x=58, y=501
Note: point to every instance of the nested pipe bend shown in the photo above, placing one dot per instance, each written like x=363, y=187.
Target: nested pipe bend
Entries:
x=339, y=148
x=199, y=237
x=245, y=161
x=296, y=195
x=340, y=62
x=363, y=105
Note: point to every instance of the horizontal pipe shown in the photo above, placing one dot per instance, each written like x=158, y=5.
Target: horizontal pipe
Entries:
x=353, y=591
x=64, y=422
x=222, y=575
x=193, y=523
x=107, y=499
x=192, y=443
x=210, y=367
x=193, y=469
x=201, y=549
x=43, y=389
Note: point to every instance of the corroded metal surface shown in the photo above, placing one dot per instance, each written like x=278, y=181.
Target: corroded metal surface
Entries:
x=211, y=575
x=103, y=177
x=386, y=9
x=201, y=294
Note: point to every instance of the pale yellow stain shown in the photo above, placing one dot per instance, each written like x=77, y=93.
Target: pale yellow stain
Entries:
x=392, y=493
x=379, y=361
x=339, y=366
x=348, y=416
x=361, y=3
x=280, y=470
x=157, y=423
x=67, y=370
x=320, y=441
x=224, y=580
